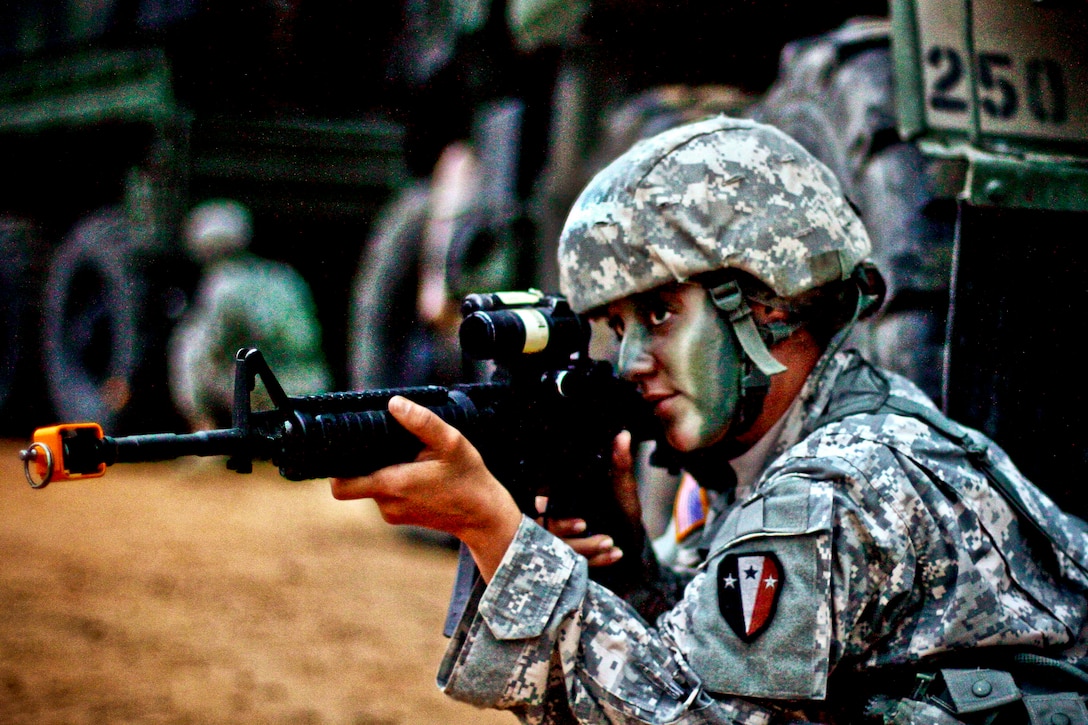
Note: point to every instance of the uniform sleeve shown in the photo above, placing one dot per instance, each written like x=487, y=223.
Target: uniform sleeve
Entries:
x=815, y=567
x=758, y=622
x=545, y=642
x=810, y=571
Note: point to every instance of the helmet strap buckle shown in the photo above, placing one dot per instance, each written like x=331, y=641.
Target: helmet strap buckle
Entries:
x=729, y=299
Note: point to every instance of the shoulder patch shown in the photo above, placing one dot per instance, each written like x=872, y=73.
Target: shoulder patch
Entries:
x=689, y=508
x=748, y=589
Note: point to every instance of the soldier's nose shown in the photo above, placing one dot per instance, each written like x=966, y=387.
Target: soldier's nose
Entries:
x=635, y=359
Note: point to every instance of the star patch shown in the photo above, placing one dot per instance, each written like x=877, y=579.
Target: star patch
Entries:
x=748, y=589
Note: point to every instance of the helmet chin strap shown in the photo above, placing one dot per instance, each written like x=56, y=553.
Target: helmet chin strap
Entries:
x=710, y=465
x=727, y=297
x=759, y=364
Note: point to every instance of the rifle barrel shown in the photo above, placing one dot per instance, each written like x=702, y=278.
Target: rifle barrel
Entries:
x=167, y=446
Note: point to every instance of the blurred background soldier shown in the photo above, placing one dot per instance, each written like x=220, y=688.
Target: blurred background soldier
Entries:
x=242, y=300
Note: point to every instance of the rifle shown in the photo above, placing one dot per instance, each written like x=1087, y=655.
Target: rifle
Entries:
x=544, y=423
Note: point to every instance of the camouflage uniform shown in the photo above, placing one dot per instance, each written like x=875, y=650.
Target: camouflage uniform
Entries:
x=891, y=548
x=869, y=541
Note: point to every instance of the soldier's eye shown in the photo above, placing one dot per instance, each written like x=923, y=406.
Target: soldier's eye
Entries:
x=658, y=315
x=616, y=325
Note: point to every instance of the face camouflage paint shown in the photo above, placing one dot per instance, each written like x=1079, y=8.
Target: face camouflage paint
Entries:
x=684, y=358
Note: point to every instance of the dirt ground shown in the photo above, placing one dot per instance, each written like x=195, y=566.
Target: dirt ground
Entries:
x=184, y=593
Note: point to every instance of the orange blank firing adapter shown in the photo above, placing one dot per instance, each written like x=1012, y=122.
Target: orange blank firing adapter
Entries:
x=46, y=458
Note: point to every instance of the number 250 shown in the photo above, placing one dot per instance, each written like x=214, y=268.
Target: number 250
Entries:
x=999, y=96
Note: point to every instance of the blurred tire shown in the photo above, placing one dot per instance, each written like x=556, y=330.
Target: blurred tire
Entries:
x=388, y=345
x=93, y=341
x=834, y=95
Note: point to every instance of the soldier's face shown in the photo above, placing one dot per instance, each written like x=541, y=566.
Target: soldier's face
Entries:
x=684, y=359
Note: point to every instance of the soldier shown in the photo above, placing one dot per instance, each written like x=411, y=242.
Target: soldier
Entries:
x=243, y=300
x=861, y=556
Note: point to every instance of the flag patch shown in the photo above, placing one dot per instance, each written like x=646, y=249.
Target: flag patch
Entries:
x=689, y=509
x=748, y=589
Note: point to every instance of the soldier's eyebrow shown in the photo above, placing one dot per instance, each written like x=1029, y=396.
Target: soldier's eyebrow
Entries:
x=653, y=297
x=656, y=295
x=599, y=312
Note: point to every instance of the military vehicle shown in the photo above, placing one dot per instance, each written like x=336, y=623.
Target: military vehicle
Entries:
x=999, y=88
x=961, y=131
x=114, y=120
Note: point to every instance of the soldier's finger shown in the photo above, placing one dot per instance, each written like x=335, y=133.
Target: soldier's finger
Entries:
x=421, y=422
x=623, y=461
x=345, y=489
x=381, y=484
x=599, y=550
x=624, y=482
x=590, y=546
x=566, y=527
x=605, y=558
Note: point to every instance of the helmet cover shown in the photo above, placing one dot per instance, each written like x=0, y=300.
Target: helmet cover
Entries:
x=715, y=194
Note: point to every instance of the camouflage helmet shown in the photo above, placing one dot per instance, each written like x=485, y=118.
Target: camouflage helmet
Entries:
x=715, y=194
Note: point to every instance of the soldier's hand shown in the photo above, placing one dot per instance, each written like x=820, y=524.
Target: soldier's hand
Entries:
x=599, y=549
x=447, y=488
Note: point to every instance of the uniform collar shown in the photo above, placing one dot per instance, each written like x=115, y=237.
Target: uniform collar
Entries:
x=811, y=401
x=749, y=465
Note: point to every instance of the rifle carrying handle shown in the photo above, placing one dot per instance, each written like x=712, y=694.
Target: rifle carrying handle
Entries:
x=45, y=459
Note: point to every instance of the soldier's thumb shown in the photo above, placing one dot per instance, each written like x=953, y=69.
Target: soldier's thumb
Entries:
x=624, y=481
x=421, y=422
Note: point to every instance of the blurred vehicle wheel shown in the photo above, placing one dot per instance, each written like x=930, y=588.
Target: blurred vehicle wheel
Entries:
x=389, y=345
x=92, y=334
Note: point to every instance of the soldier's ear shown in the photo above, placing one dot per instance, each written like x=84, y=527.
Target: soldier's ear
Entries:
x=764, y=314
